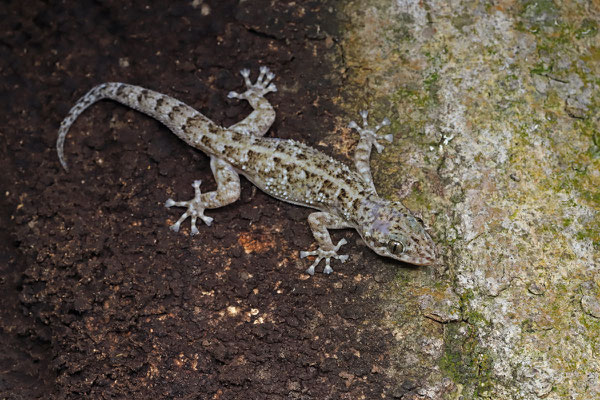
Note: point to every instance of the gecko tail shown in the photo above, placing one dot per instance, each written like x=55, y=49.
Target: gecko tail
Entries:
x=95, y=94
x=171, y=112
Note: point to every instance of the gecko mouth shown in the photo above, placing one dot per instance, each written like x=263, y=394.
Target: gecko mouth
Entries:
x=423, y=260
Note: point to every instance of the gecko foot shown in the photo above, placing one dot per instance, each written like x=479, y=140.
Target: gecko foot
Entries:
x=261, y=87
x=195, y=210
x=371, y=134
x=324, y=254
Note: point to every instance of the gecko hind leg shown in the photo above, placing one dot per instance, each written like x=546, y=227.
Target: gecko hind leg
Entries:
x=368, y=139
x=319, y=223
x=228, y=191
x=260, y=120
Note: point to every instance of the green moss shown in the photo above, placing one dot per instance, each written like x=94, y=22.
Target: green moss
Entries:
x=553, y=101
x=475, y=318
x=400, y=32
x=541, y=68
x=538, y=14
x=527, y=326
x=466, y=361
x=462, y=20
x=594, y=149
x=589, y=128
x=431, y=85
x=591, y=231
x=419, y=98
x=588, y=28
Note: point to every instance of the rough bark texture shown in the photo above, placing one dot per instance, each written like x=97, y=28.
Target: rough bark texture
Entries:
x=496, y=106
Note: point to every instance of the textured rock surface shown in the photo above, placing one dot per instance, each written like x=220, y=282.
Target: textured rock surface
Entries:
x=494, y=107
x=494, y=110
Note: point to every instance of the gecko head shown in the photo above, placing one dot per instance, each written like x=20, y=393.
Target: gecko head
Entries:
x=392, y=231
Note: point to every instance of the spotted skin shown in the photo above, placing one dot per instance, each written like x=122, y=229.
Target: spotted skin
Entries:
x=285, y=169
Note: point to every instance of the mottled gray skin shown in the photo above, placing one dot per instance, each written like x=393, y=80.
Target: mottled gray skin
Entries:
x=285, y=169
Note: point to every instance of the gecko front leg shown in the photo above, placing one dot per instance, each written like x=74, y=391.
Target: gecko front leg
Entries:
x=319, y=223
x=228, y=191
x=260, y=120
x=368, y=138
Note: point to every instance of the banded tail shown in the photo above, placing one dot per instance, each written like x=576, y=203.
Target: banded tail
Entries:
x=171, y=112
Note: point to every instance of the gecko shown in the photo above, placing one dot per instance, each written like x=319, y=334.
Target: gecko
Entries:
x=285, y=169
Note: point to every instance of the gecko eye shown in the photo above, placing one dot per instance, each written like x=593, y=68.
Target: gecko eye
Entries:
x=395, y=247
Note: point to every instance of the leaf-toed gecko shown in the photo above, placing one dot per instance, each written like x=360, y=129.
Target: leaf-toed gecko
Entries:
x=285, y=169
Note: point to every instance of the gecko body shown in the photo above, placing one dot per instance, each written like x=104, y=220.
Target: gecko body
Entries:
x=285, y=169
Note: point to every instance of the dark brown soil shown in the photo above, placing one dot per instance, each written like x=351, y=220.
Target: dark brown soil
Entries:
x=98, y=297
